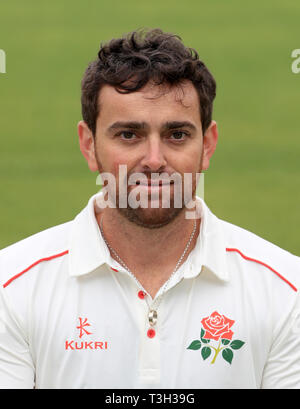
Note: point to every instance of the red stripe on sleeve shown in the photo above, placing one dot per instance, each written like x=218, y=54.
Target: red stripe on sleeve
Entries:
x=265, y=265
x=33, y=265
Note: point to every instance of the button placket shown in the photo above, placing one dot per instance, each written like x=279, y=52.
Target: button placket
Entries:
x=149, y=356
x=151, y=316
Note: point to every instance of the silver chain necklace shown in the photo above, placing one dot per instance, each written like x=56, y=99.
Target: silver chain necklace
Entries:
x=152, y=314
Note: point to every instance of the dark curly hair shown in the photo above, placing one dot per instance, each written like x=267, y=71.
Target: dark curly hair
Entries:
x=128, y=63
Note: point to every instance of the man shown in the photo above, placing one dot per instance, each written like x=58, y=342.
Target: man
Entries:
x=147, y=296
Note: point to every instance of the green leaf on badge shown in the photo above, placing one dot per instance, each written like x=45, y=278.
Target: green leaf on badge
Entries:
x=205, y=341
x=195, y=345
x=227, y=355
x=236, y=344
x=225, y=341
x=205, y=352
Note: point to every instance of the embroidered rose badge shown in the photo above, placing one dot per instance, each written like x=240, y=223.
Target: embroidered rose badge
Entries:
x=216, y=328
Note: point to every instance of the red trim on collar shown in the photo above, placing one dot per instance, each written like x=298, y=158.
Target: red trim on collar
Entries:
x=263, y=264
x=33, y=265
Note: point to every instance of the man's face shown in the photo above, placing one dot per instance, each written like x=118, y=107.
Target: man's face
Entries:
x=154, y=130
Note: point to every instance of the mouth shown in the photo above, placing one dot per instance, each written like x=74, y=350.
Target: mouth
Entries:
x=154, y=183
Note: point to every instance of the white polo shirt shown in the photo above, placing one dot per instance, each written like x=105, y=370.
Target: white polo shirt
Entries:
x=71, y=317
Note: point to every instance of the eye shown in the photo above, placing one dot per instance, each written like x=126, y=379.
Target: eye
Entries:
x=178, y=135
x=127, y=135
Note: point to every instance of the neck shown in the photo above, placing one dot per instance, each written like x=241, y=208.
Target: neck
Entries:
x=150, y=254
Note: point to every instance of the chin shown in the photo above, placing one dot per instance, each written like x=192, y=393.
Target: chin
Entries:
x=150, y=218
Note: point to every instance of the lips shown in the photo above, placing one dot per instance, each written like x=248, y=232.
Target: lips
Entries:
x=155, y=183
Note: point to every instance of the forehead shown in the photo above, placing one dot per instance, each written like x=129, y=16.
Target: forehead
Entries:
x=152, y=102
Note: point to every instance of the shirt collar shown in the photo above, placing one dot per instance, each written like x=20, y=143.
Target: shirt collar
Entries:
x=88, y=251
x=210, y=248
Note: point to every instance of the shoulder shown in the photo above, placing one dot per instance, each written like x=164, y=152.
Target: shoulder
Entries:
x=249, y=250
x=22, y=256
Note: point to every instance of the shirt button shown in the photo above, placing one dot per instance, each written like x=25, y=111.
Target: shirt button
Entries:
x=141, y=295
x=151, y=333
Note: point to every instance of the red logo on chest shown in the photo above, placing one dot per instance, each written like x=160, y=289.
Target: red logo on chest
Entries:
x=78, y=345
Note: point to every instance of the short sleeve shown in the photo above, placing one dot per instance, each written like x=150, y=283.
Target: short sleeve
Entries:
x=282, y=370
x=16, y=366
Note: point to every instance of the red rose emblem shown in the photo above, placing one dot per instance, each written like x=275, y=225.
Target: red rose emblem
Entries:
x=217, y=326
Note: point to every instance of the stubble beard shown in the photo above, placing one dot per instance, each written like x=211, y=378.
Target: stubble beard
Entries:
x=151, y=218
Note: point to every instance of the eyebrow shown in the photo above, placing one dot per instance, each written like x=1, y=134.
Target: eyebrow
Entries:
x=178, y=124
x=128, y=125
x=143, y=125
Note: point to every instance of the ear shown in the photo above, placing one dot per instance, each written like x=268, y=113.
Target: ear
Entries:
x=87, y=145
x=210, y=140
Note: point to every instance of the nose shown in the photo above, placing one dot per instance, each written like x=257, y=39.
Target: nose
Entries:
x=154, y=159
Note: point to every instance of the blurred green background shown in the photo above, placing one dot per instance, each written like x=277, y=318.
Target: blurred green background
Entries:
x=254, y=176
